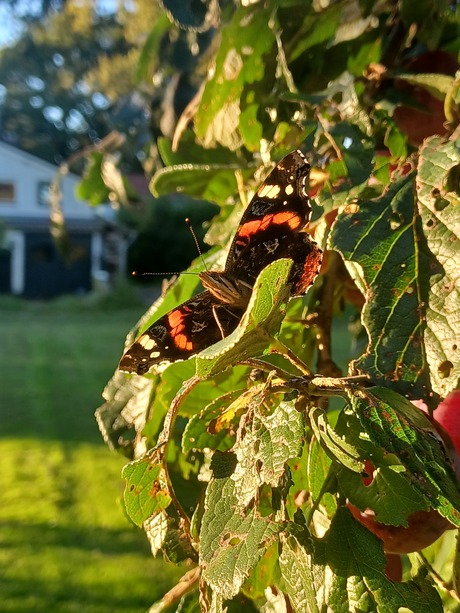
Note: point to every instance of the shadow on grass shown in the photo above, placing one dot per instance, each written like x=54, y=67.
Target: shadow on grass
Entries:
x=55, y=597
x=45, y=534
x=48, y=568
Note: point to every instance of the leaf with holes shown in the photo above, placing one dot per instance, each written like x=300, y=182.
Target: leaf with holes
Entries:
x=345, y=571
x=240, y=60
x=145, y=491
x=439, y=206
x=232, y=538
x=393, y=423
x=270, y=436
x=383, y=237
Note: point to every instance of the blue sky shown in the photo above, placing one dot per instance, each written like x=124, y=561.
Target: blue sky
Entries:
x=10, y=27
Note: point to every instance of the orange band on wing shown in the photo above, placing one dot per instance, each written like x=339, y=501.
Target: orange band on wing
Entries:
x=176, y=321
x=292, y=220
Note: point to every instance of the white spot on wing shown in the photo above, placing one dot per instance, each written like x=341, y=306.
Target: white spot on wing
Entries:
x=147, y=342
x=269, y=191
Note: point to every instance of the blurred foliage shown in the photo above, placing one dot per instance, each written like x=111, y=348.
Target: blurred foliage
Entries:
x=69, y=80
x=163, y=240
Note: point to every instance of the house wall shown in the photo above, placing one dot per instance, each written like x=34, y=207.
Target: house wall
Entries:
x=28, y=174
x=35, y=266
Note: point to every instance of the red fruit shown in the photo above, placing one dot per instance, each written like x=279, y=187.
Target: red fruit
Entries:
x=393, y=568
x=425, y=527
x=448, y=416
x=419, y=123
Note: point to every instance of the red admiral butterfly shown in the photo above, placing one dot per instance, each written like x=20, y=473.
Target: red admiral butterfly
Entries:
x=270, y=229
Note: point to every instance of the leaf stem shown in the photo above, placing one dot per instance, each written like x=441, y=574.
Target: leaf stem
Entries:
x=443, y=585
x=165, y=437
x=282, y=349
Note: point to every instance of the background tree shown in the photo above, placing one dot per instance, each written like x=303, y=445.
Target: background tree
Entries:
x=61, y=93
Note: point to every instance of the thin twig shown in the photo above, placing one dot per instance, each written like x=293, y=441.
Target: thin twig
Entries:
x=165, y=437
x=443, y=585
x=282, y=349
x=185, y=585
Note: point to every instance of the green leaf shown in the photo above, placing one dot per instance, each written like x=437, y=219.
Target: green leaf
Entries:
x=357, y=151
x=277, y=438
x=190, y=152
x=302, y=576
x=316, y=29
x=165, y=534
x=266, y=572
x=240, y=60
x=145, y=491
x=344, y=572
x=171, y=382
x=250, y=127
x=209, y=428
x=232, y=538
x=258, y=326
x=336, y=445
x=365, y=54
x=124, y=411
x=395, y=140
x=318, y=471
x=388, y=495
x=214, y=182
x=437, y=84
x=439, y=207
x=398, y=427
x=92, y=188
x=359, y=582
x=149, y=51
x=383, y=237
x=265, y=444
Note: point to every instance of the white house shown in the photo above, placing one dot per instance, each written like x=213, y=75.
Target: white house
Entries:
x=30, y=264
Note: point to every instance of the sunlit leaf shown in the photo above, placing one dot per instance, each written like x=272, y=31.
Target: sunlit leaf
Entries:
x=259, y=324
x=439, y=208
x=382, y=236
x=145, y=491
x=231, y=543
x=240, y=60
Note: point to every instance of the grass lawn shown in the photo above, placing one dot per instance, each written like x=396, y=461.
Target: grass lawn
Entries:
x=65, y=543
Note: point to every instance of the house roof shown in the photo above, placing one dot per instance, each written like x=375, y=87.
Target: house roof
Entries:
x=15, y=151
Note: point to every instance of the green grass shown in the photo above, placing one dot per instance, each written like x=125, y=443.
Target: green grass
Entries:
x=65, y=543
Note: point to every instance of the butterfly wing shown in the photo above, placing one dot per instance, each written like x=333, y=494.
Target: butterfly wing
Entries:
x=279, y=208
x=181, y=333
x=271, y=227
x=307, y=257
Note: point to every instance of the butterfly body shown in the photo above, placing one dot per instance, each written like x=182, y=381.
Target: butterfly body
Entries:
x=271, y=228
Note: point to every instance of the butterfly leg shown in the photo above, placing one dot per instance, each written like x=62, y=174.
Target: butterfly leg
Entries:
x=227, y=321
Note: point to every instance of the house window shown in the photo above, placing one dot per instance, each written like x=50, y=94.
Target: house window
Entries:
x=7, y=191
x=43, y=193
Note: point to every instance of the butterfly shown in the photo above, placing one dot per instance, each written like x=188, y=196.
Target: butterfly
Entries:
x=272, y=227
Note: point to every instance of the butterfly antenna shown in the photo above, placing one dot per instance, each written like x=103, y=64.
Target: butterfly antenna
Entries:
x=136, y=273
x=190, y=227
